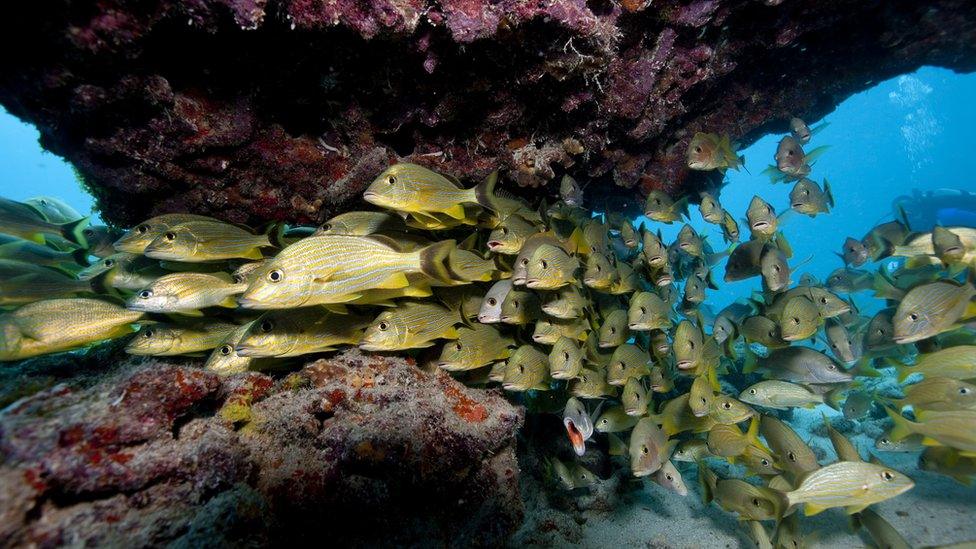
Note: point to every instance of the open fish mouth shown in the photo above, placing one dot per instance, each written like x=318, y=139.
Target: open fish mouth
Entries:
x=683, y=364
x=760, y=225
x=797, y=205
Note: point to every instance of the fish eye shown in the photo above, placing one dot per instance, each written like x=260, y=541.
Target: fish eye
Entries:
x=823, y=300
x=727, y=405
x=776, y=268
x=566, y=356
x=515, y=303
x=504, y=230
x=492, y=301
x=613, y=330
x=913, y=317
x=644, y=450
x=239, y=279
x=145, y=294
x=521, y=369
x=755, y=501
x=643, y=310
x=964, y=390
x=383, y=326
x=142, y=229
x=524, y=262
x=752, y=391
x=791, y=456
x=326, y=226
x=276, y=275
x=148, y=333
x=391, y=179
x=267, y=326
x=109, y=262
x=698, y=149
x=669, y=477
x=599, y=268
x=831, y=367
x=704, y=400
x=544, y=263
x=887, y=476
x=225, y=349
x=691, y=345
x=457, y=346
x=795, y=320
x=765, y=462
x=170, y=236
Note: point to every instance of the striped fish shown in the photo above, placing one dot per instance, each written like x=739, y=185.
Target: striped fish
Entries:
x=850, y=484
x=298, y=332
x=339, y=269
x=411, y=188
x=55, y=325
x=226, y=361
x=930, y=309
x=411, y=325
x=22, y=282
x=179, y=339
x=135, y=240
x=186, y=293
x=211, y=240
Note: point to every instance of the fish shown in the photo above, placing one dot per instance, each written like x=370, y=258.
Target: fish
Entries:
x=795, y=456
x=99, y=239
x=410, y=188
x=196, y=241
x=578, y=424
x=949, y=428
x=53, y=209
x=808, y=198
x=627, y=280
x=911, y=443
x=591, y=383
x=669, y=477
x=570, y=191
x=614, y=419
x=780, y=395
x=510, y=235
x=22, y=283
x=567, y=303
x=954, y=246
x=187, y=293
x=464, y=266
x=707, y=482
x=850, y=484
x=329, y=269
x=941, y=394
x=757, y=534
x=527, y=368
x=728, y=410
x=745, y=261
x=477, y=345
x=849, y=280
x=659, y=380
x=799, y=130
x=762, y=330
x=565, y=358
x=582, y=477
x=23, y=221
x=798, y=365
x=18, y=249
x=560, y=473
x=855, y=253
x=362, y=224
x=649, y=448
x=411, y=325
x=948, y=461
x=710, y=208
x=749, y=501
x=879, y=333
x=136, y=239
x=800, y=319
x=709, y=151
x=774, y=269
x=288, y=333
x=675, y=417
x=627, y=362
x=701, y=394
x=664, y=209
x=790, y=158
x=600, y=273
x=694, y=290
x=653, y=250
x=761, y=218
x=728, y=441
x=842, y=346
x=882, y=533
x=520, y=267
x=930, y=309
x=845, y=449
x=520, y=307
x=616, y=446
x=858, y=404
x=759, y=461
x=165, y=339
x=225, y=361
x=56, y=325
x=547, y=331
x=490, y=311
x=689, y=241
x=730, y=229
x=551, y=268
x=635, y=397
x=691, y=450
x=613, y=332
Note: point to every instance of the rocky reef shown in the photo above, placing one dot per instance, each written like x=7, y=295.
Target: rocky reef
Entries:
x=355, y=448
x=258, y=110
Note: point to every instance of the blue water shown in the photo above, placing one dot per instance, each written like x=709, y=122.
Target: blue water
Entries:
x=911, y=132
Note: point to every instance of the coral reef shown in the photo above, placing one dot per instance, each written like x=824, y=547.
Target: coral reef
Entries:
x=152, y=453
x=258, y=110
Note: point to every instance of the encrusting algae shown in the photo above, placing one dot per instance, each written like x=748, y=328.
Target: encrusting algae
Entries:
x=603, y=318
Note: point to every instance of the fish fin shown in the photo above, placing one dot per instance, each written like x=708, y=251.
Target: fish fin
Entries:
x=751, y=363
x=393, y=282
x=74, y=231
x=194, y=312
x=834, y=398
x=484, y=192
x=784, y=245
x=828, y=194
x=456, y=211
x=433, y=260
x=81, y=257
x=577, y=243
x=712, y=377
x=815, y=130
x=902, y=428
x=253, y=253
x=451, y=333
x=337, y=308
x=470, y=243
x=681, y=206
x=904, y=370
x=752, y=434
x=852, y=509
x=810, y=509
x=813, y=155
x=929, y=441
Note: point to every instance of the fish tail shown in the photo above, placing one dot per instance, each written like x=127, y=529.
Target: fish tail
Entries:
x=74, y=231
x=276, y=234
x=827, y=194
x=902, y=428
x=81, y=257
x=681, y=206
x=904, y=370
x=751, y=363
x=433, y=260
x=834, y=397
x=484, y=192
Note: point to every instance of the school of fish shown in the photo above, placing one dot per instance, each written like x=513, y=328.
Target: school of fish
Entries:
x=589, y=309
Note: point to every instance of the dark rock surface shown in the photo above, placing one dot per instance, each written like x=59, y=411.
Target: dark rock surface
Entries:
x=257, y=110
x=350, y=450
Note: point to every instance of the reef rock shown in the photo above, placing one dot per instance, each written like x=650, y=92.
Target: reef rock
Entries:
x=259, y=110
x=153, y=453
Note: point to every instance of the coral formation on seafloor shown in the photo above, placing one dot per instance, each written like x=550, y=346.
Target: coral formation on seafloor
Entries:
x=258, y=110
x=354, y=448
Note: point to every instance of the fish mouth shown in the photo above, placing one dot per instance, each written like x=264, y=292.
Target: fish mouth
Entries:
x=370, y=196
x=665, y=281
x=244, y=350
x=683, y=364
x=372, y=347
x=532, y=282
x=796, y=205
x=760, y=225
x=492, y=244
x=518, y=281
x=791, y=338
